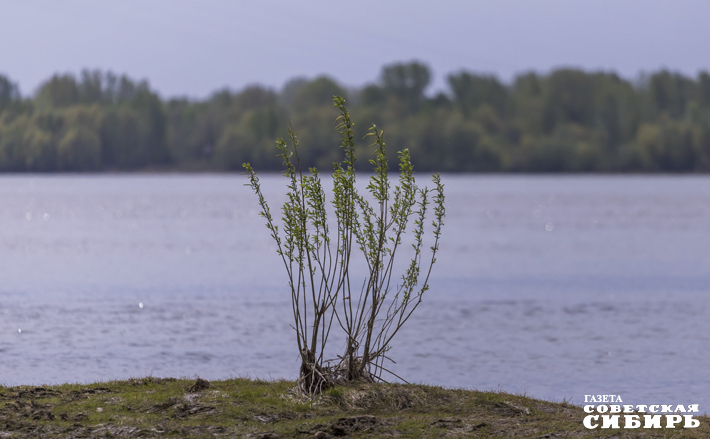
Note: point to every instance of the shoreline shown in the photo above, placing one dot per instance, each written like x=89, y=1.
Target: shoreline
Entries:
x=186, y=408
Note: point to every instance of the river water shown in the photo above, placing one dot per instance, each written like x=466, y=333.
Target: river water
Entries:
x=552, y=286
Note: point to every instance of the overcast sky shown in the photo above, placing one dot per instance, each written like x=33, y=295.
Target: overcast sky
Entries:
x=193, y=48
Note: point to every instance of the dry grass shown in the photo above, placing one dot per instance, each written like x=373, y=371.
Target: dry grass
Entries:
x=153, y=407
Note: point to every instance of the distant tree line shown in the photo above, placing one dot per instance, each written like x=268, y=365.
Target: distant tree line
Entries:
x=566, y=121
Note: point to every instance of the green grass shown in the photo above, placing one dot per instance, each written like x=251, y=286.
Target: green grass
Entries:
x=154, y=407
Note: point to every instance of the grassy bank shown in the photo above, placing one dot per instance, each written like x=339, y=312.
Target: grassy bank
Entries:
x=154, y=407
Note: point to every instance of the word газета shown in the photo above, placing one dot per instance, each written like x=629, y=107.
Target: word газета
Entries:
x=602, y=398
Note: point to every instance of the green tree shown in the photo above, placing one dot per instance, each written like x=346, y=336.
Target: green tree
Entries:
x=79, y=150
x=568, y=97
x=79, y=147
x=528, y=104
x=250, y=138
x=407, y=81
x=9, y=93
x=40, y=150
x=318, y=258
x=373, y=95
x=12, y=132
x=59, y=91
x=670, y=93
x=472, y=91
x=151, y=147
x=316, y=93
x=704, y=89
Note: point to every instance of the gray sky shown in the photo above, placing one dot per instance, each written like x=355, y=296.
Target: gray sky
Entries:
x=186, y=47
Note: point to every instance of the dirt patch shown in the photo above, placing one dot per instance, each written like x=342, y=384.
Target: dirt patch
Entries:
x=266, y=418
x=188, y=406
x=37, y=392
x=457, y=427
x=117, y=431
x=349, y=425
x=508, y=409
x=369, y=398
x=78, y=417
x=165, y=405
x=446, y=423
x=84, y=393
x=266, y=435
x=188, y=409
x=199, y=386
x=149, y=380
x=31, y=410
